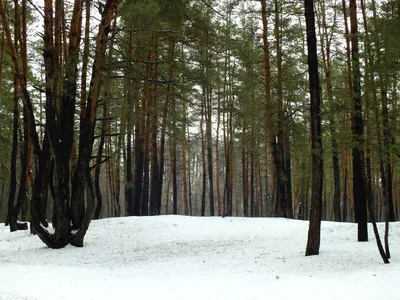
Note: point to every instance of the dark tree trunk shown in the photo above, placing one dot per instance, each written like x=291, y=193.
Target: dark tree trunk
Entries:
x=174, y=178
x=26, y=148
x=314, y=232
x=60, y=128
x=99, y=204
x=138, y=173
x=267, y=78
x=359, y=194
x=280, y=179
x=173, y=162
x=22, y=191
x=185, y=165
x=288, y=171
x=209, y=149
x=204, y=175
x=11, y=218
x=146, y=184
x=252, y=191
x=281, y=176
x=165, y=115
x=129, y=197
x=336, y=181
x=245, y=184
x=228, y=187
x=155, y=186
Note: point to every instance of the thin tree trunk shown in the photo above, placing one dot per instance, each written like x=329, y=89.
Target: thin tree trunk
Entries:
x=155, y=191
x=209, y=148
x=245, y=181
x=11, y=218
x=203, y=159
x=165, y=114
x=131, y=181
x=173, y=160
x=184, y=165
x=217, y=162
x=104, y=132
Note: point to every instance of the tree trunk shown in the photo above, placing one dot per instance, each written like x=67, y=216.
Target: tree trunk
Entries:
x=269, y=107
x=326, y=56
x=203, y=159
x=245, y=181
x=209, y=148
x=184, y=165
x=288, y=171
x=104, y=132
x=165, y=114
x=281, y=176
x=155, y=191
x=359, y=195
x=173, y=161
x=314, y=232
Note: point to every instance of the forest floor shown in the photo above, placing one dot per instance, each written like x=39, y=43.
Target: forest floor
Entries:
x=176, y=257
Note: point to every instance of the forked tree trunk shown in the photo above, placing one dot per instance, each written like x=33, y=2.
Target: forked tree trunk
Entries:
x=61, y=132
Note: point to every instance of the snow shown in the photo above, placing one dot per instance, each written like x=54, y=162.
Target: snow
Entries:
x=176, y=257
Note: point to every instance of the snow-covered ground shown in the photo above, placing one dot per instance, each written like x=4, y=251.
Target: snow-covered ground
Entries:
x=175, y=257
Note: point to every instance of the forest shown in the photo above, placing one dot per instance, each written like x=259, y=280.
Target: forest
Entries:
x=276, y=108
